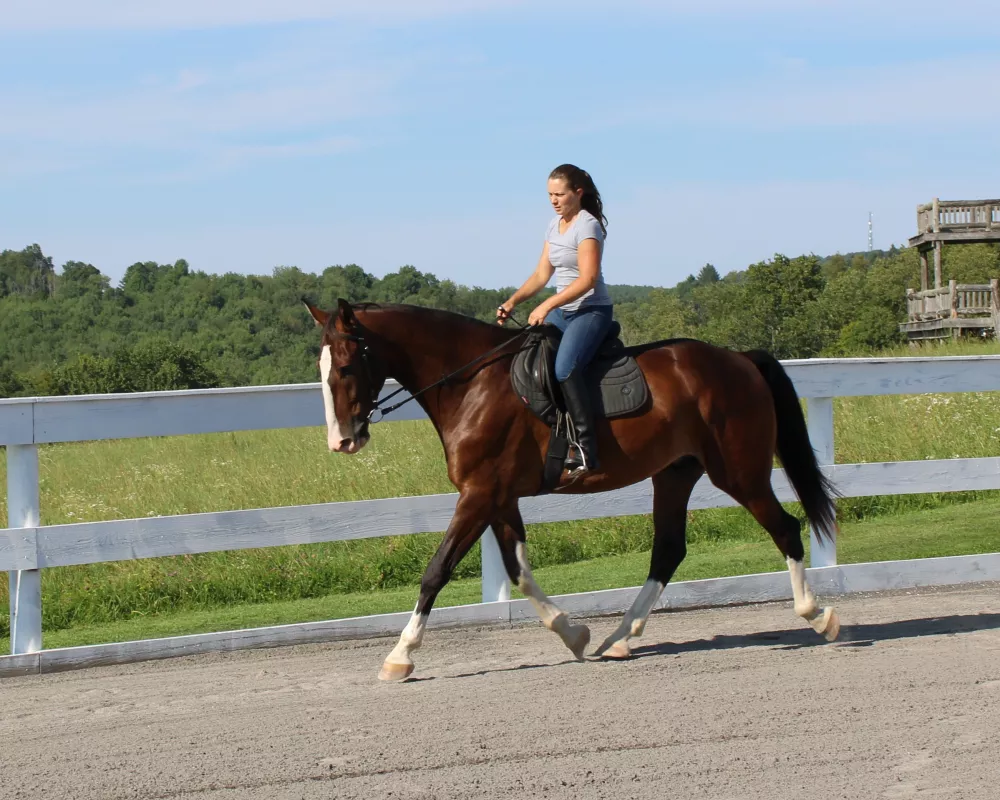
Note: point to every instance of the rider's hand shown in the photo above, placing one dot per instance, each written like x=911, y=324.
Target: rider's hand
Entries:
x=503, y=312
x=537, y=317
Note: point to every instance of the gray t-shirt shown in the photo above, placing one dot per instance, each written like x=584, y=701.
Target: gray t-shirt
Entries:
x=563, y=249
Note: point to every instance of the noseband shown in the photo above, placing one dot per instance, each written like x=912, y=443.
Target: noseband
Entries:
x=360, y=340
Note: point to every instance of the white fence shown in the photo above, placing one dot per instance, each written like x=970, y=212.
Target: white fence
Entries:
x=27, y=547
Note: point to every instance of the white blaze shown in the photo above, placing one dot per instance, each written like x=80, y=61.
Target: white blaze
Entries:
x=334, y=435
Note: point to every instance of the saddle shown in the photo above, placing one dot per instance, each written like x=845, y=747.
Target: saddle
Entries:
x=616, y=383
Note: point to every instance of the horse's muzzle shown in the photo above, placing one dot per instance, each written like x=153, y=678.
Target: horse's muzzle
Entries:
x=349, y=446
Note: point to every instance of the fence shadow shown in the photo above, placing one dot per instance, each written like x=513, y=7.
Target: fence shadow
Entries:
x=863, y=635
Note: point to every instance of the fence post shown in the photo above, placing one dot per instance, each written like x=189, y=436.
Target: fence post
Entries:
x=26, y=584
x=995, y=307
x=496, y=584
x=819, y=422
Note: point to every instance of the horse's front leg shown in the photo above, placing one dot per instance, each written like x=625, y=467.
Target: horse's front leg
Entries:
x=472, y=514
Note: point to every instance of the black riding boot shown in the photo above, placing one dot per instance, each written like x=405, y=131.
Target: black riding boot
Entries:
x=577, y=399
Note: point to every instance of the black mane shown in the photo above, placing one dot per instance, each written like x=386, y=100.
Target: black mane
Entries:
x=438, y=315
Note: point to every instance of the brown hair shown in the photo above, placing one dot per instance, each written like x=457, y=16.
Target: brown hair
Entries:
x=577, y=178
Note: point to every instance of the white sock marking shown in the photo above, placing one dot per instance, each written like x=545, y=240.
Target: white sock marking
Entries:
x=634, y=621
x=805, y=601
x=409, y=640
x=643, y=606
x=552, y=617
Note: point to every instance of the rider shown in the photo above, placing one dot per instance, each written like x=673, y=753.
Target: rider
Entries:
x=581, y=307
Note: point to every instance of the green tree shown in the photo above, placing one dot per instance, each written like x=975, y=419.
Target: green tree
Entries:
x=150, y=366
x=26, y=273
x=11, y=384
x=78, y=279
x=874, y=329
x=971, y=263
x=662, y=316
x=708, y=275
x=778, y=310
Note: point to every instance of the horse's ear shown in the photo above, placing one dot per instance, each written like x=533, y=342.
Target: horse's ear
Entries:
x=346, y=312
x=318, y=314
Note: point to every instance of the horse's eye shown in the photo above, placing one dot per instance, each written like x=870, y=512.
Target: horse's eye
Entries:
x=344, y=371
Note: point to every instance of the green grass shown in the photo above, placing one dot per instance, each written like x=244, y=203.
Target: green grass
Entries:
x=258, y=469
x=954, y=530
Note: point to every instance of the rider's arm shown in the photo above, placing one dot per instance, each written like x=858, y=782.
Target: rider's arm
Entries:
x=539, y=278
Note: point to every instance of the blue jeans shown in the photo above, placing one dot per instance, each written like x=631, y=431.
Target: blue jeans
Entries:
x=583, y=331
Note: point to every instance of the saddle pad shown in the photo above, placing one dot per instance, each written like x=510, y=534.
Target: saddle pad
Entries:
x=617, y=386
x=616, y=383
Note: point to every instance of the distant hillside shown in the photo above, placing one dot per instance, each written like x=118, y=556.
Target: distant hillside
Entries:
x=168, y=326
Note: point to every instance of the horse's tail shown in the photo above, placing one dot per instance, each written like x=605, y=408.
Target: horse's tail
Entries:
x=814, y=489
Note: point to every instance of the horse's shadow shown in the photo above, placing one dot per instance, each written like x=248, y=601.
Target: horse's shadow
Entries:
x=864, y=635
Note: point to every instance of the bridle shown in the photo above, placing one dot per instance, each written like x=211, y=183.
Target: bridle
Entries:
x=378, y=403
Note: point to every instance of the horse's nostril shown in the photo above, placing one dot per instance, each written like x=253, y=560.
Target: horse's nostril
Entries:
x=344, y=444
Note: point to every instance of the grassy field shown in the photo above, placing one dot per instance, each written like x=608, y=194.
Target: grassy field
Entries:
x=149, y=477
x=952, y=530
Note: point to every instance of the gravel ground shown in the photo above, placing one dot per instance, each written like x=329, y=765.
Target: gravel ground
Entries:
x=723, y=703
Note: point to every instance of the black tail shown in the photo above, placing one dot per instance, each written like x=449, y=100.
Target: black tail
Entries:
x=814, y=489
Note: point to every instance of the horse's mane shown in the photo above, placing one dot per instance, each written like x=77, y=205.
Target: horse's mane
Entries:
x=438, y=315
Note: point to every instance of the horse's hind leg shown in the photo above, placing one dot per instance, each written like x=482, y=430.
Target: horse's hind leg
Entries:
x=786, y=531
x=509, y=530
x=671, y=491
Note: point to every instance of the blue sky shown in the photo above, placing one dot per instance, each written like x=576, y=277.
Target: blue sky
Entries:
x=246, y=134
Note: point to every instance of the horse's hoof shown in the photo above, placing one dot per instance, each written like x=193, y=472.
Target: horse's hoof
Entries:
x=833, y=627
x=580, y=638
x=395, y=672
x=618, y=651
x=827, y=624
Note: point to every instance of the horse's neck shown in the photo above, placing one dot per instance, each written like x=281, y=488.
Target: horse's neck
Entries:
x=419, y=348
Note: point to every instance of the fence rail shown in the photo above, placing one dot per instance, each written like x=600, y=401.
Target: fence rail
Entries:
x=953, y=301
x=945, y=215
x=27, y=546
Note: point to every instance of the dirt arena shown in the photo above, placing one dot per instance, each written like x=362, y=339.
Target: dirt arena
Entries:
x=722, y=704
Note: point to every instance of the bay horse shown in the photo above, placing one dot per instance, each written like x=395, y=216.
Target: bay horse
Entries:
x=711, y=410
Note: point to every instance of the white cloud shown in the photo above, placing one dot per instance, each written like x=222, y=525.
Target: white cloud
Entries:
x=305, y=98
x=211, y=160
x=861, y=15
x=173, y=14
x=193, y=105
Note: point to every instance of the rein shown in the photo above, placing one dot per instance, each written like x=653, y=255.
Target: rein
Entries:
x=377, y=403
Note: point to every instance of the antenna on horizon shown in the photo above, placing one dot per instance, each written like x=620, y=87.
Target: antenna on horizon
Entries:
x=869, y=231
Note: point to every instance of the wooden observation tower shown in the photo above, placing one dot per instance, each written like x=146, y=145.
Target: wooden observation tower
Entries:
x=950, y=310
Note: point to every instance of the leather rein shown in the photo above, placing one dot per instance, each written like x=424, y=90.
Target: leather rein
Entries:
x=378, y=403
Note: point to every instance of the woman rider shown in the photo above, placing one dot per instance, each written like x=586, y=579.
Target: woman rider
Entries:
x=581, y=307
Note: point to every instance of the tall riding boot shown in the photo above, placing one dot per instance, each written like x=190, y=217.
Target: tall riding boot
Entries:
x=577, y=399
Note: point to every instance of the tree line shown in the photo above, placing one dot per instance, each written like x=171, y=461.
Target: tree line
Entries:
x=166, y=326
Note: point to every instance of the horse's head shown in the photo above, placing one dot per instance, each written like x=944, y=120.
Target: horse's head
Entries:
x=350, y=379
